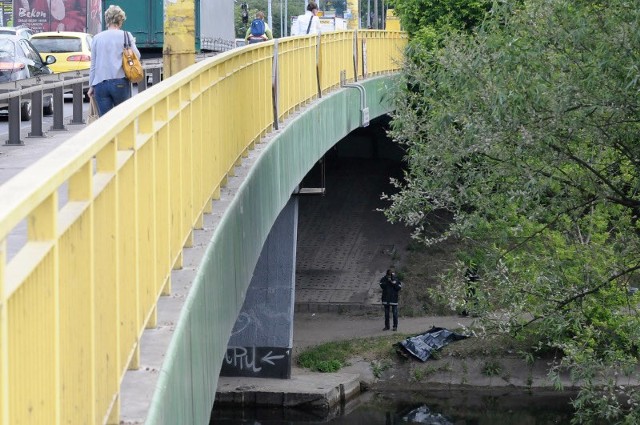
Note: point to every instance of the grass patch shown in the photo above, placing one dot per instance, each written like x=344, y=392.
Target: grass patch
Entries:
x=491, y=367
x=332, y=356
x=378, y=367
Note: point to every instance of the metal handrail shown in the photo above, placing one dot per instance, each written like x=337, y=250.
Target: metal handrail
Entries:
x=11, y=94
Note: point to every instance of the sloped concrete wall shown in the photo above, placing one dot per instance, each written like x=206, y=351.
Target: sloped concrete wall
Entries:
x=252, y=202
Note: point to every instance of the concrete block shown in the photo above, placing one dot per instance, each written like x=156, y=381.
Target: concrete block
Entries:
x=269, y=398
x=350, y=389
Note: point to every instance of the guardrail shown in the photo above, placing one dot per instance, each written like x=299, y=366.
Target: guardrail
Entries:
x=56, y=85
x=75, y=299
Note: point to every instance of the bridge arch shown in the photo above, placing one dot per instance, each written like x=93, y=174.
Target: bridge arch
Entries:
x=249, y=207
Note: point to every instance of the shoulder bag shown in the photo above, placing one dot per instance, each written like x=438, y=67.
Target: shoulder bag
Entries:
x=310, y=20
x=130, y=62
x=93, y=111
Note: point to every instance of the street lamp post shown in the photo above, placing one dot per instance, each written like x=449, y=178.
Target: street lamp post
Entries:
x=286, y=17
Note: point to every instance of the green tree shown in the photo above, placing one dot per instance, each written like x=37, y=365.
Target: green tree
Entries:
x=416, y=15
x=428, y=21
x=528, y=132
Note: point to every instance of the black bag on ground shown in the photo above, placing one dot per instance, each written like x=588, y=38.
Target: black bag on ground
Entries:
x=423, y=345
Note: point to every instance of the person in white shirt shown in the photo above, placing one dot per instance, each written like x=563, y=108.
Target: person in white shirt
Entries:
x=308, y=23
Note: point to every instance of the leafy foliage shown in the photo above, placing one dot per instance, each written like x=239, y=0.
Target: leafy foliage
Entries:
x=527, y=130
x=429, y=21
x=416, y=15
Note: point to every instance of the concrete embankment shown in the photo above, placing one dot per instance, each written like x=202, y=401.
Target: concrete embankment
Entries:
x=321, y=391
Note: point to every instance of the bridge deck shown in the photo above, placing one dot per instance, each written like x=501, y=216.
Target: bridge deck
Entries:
x=14, y=159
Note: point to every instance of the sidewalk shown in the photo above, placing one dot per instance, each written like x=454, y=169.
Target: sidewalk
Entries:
x=14, y=159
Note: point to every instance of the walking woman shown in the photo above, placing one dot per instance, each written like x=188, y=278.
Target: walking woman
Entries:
x=106, y=77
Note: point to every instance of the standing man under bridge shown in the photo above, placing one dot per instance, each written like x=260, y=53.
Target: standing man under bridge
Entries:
x=391, y=286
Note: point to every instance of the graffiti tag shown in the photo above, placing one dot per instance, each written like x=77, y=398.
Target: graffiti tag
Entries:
x=246, y=358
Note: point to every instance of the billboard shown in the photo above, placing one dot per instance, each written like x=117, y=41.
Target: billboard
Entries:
x=6, y=14
x=51, y=15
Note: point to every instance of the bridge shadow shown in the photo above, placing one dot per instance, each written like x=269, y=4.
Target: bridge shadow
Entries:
x=344, y=240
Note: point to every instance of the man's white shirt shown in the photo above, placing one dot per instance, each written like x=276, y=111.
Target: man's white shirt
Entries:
x=301, y=24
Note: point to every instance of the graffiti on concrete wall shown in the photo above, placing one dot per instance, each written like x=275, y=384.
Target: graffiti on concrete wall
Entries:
x=249, y=360
x=249, y=355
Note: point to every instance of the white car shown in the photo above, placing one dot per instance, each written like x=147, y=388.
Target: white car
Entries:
x=21, y=31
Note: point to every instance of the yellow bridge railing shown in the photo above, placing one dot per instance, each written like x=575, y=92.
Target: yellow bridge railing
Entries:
x=105, y=217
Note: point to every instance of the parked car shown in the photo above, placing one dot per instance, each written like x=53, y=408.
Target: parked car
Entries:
x=21, y=31
x=72, y=50
x=19, y=60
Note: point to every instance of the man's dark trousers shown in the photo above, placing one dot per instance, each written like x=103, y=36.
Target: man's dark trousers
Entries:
x=394, y=310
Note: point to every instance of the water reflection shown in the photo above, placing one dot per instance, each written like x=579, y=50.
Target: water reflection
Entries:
x=471, y=407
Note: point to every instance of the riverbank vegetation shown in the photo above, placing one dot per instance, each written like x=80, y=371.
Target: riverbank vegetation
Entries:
x=523, y=124
x=333, y=356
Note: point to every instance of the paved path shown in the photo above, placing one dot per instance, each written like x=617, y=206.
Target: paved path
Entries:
x=316, y=328
x=14, y=159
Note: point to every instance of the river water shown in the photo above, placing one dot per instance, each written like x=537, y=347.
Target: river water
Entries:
x=470, y=407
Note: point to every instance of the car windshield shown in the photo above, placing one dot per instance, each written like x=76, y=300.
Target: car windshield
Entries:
x=57, y=44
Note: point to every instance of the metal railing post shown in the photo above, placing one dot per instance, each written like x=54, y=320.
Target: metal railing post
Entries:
x=77, y=104
x=14, y=122
x=58, y=109
x=275, y=91
x=156, y=75
x=318, y=65
x=142, y=85
x=355, y=56
x=36, y=115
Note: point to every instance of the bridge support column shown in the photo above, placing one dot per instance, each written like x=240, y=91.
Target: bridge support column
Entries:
x=179, y=36
x=262, y=339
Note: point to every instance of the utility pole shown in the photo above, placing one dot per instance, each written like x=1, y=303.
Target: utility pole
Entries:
x=286, y=17
x=282, y=22
x=269, y=19
x=375, y=14
x=368, y=14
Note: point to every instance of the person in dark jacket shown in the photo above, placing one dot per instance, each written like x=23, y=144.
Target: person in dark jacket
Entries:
x=391, y=287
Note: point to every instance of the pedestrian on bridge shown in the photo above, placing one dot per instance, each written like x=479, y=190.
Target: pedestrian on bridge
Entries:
x=391, y=286
x=259, y=30
x=308, y=23
x=107, y=81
